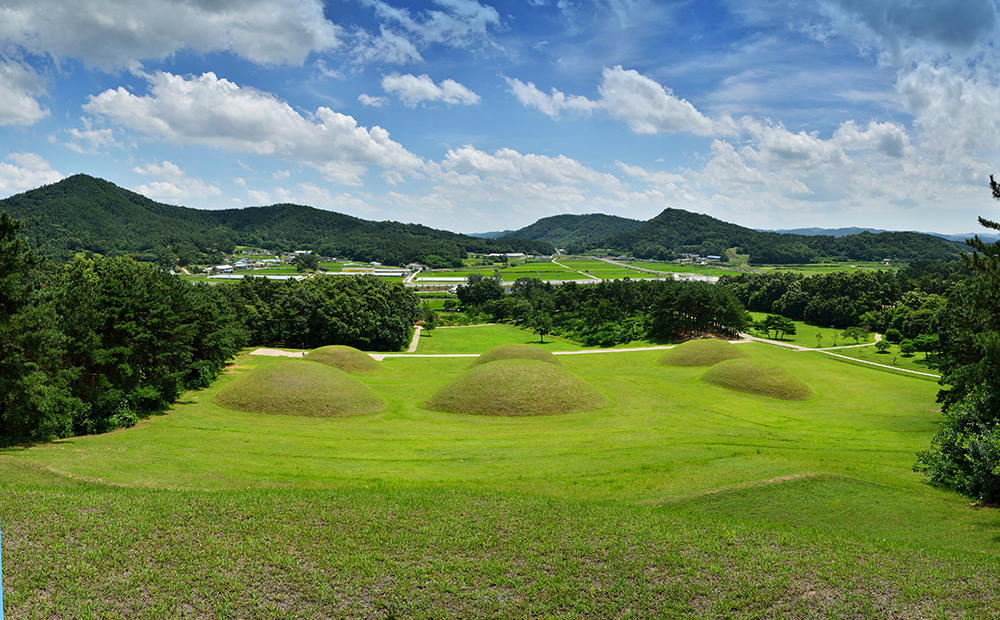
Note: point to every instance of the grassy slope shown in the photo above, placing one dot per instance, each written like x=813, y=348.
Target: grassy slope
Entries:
x=678, y=498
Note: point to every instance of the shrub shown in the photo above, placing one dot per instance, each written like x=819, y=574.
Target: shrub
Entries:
x=965, y=453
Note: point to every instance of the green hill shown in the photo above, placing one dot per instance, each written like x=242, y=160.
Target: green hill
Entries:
x=562, y=230
x=675, y=232
x=83, y=213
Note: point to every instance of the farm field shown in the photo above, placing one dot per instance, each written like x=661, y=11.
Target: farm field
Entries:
x=705, y=270
x=820, y=268
x=675, y=498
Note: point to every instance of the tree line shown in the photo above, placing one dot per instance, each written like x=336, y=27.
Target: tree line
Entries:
x=609, y=312
x=92, y=345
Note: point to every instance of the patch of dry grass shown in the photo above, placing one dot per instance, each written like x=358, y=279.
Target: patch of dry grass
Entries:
x=516, y=352
x=296, y=388
x=516, y=387
x=345, y=358
x=755, y=377
x=707, y=352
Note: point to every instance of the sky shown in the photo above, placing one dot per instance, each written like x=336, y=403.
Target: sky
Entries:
x=482, y=116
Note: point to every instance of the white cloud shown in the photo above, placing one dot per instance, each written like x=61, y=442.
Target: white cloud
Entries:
x=18, y=86
x=886, y=138
x=26, y=171
x=530, y=168
x=955, y=109
x=646, y=106
x=89, y=140
x=175, y=186
x=215, y=112
x=374, y=102
x=550, y=105
x=456, y=23
x=413, y=90
x=388, y=47
x=654, y=178
x=115, y=33
x=259, y=197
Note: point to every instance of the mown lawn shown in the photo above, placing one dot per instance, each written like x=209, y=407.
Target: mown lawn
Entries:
x=675, y=499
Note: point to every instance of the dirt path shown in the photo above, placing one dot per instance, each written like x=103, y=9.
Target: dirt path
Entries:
x=416, y=339
x=277, y=353
x=576, y=270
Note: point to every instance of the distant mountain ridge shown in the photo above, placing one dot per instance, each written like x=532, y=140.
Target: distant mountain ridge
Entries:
x=675, y=232
x=83, y=213
x=843, y=232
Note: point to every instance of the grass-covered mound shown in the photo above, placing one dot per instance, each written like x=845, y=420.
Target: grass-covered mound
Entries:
x=708, y=352
x=347, y=359
x=753, y=377
x=516, y=387
x=516, y=352
x=295, y=388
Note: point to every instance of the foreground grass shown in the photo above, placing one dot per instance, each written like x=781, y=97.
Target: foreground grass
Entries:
x=76, y=549
x=675, y=499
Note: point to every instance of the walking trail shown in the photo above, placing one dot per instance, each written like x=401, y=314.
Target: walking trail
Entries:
x=878, y=337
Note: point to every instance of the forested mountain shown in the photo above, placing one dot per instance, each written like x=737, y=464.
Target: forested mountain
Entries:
x=675, y=231
x=562, y=230
x=82, y=213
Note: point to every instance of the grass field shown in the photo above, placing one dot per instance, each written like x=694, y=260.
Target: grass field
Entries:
x=892, y=357
x=805, y=335
x=675, y=499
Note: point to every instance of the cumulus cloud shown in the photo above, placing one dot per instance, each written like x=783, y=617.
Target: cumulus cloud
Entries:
x=19, y=85
x=89, y=140
x=642, y=103
x=647, y=106
x=955, y=109
x=531, y=168
x=175, y=186
x=886, y=138
x=215, y=112
x=25, y=171
x=413, y=90
x=115, y=33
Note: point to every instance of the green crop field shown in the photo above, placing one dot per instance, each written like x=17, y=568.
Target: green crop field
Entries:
x=673, y=498
x=819, y=268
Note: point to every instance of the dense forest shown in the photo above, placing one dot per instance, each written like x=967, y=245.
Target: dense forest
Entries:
x=675, y=232
x=84, y=214
x=610, y=312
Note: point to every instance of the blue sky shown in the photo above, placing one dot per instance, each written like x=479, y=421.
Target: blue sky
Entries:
x=475, y=116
